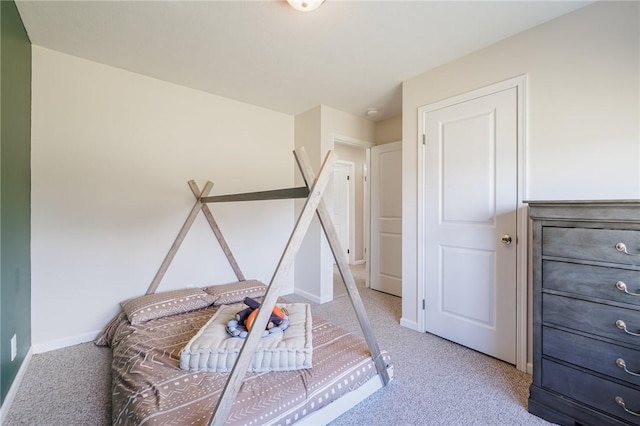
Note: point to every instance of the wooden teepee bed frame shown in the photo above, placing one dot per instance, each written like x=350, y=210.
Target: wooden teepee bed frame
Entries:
x=313, y=191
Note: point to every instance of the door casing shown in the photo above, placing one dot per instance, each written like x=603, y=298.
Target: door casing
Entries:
x=520, y=83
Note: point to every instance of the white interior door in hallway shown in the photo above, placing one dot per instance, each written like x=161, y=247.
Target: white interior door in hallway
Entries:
x=343, y=204
x=470, y=186
x=385, y=269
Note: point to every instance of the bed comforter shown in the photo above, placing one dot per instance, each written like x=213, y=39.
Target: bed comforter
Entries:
x=149, y=388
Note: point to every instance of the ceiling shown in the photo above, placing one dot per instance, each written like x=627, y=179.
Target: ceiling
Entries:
x=349, y=55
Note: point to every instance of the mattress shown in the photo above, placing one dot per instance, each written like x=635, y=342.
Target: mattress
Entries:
x=150, y=388
x=212, y=349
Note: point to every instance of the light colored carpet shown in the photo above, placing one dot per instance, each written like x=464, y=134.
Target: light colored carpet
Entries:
x=436, y=381
x=70, y=386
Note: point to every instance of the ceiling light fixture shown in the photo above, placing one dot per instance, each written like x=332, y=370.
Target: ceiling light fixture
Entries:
x=305, y=5
x=372, y=112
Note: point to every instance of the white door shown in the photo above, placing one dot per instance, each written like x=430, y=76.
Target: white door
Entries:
x=470, y=197
x=385, y=267
x=341, y=202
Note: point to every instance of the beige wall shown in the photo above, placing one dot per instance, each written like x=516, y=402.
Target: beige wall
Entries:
x=338, y=123
x=309, y=273
x=582, y=112
x=389, y=130
x=358, y=157
x=314, y=270
x=112, y=152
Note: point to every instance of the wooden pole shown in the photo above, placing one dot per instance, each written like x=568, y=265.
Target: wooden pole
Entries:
x=275, y=194
x=178, y=241
x=345, y=272
x=216, y=231
x=232, y=387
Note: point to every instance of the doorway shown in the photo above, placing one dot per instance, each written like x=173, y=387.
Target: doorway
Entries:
x=472, y=236
x=357, y=152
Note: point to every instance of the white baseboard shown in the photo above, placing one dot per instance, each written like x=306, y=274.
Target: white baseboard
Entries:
x=358, y=262
x=313, y=297
x=409, y=324
x=52, y=345
x=13, y=390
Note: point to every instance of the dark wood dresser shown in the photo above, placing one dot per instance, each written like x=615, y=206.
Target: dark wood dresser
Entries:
x=586, y=312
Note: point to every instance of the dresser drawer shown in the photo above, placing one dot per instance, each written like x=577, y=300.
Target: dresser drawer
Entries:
x=591, y=244
x=592, y=390
x=593, y=354
x=590, y=317
x=594, y=281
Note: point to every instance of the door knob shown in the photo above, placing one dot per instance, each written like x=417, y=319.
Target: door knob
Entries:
x=505, y=239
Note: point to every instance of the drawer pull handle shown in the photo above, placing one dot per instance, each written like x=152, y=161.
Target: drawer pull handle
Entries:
x=621, y=403
x=623, y=248
x=622, y=326
x=620, y=363
x=623, y=287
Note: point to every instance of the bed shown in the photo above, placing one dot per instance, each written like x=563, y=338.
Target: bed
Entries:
x=150, y=388
x=149, y=335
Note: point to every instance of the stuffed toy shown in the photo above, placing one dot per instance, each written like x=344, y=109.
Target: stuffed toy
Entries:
x=243, y=321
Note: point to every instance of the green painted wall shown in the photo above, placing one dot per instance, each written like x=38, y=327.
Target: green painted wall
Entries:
x=15, y=192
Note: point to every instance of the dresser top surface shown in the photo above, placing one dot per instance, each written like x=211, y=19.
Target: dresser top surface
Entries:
x=594, y=210
x=584, y=203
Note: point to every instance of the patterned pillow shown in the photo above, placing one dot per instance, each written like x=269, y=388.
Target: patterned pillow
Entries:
x=227, y=294
x=158, y=305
